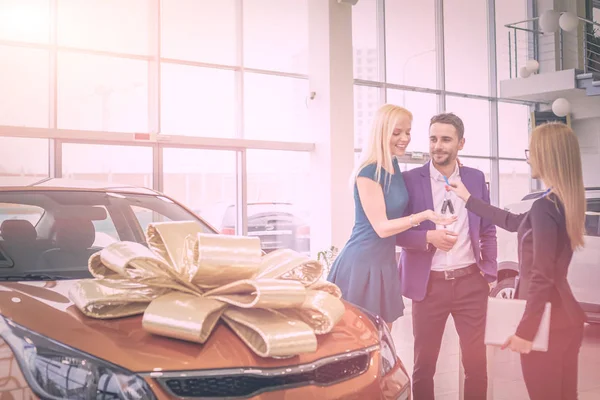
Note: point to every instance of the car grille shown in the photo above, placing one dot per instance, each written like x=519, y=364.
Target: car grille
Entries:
x=250, y=382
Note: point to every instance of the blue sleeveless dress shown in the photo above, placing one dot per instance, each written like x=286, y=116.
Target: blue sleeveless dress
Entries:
x=365, y=270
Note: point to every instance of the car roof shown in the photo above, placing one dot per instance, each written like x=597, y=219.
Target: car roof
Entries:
x=590, y=192
x=11, y=184
x=527, y=200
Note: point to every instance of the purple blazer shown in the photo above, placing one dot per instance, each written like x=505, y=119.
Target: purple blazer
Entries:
x=415, y=261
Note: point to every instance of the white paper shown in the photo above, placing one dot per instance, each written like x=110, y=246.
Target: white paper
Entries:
x=503, y=318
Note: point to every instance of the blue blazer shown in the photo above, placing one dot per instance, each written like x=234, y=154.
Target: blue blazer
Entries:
x=415, y=261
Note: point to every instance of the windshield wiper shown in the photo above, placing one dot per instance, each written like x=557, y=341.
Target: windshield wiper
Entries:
x=34, y=277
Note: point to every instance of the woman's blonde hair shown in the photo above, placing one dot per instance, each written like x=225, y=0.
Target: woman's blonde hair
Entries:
x=377, y=150
x=555, y=156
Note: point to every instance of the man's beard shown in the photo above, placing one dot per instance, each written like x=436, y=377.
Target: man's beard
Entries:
x=446, y=161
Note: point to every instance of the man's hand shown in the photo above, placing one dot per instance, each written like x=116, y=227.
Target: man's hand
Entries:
x=442, y=239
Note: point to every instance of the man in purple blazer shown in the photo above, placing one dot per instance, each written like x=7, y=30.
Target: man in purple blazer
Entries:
x=447, y=270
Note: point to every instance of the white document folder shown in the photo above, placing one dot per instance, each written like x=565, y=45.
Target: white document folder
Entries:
x=503, y=317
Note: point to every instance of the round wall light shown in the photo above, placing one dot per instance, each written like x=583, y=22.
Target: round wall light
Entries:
x=561, y=107
x=532, y=66
x=524, y=72
x=568, y=22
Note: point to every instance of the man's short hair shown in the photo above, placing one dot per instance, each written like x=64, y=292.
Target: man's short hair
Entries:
x=451, y=119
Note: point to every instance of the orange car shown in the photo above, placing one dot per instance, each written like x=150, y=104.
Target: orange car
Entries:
x=50, y=350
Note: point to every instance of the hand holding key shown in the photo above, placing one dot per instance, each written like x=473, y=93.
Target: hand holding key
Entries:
x=459, y=188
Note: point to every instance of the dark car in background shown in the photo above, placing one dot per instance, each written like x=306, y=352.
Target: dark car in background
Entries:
x=277, y=224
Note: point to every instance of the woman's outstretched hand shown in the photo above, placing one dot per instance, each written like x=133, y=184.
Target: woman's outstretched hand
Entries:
x=459, y=188
x=439, y=219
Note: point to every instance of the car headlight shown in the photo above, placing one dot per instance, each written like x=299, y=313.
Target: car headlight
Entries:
x=56, y=371
x=387, y=349
x=386, y=344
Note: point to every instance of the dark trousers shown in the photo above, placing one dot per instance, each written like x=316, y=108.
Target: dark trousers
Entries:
x=465, y=299
x=552, y=375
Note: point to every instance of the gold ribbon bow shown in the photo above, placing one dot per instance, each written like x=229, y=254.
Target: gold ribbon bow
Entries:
x=187, y=281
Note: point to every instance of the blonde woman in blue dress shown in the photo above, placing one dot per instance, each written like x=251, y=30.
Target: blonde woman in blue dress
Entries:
x=366, y=270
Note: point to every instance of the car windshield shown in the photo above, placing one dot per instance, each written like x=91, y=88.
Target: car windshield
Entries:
x=267, y=208
x=52, y=234
x=261, y=209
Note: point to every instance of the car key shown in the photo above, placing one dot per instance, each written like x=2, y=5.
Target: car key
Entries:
x=447, y=202
x=450, y=206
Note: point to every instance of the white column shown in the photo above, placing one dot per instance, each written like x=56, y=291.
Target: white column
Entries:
x=549, y=51
x=331, y=122
x=572, y=43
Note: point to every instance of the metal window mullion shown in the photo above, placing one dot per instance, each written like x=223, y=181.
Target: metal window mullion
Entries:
x=126, y=138
x=154, y=90
x=53, y=58
x=494, y=146
x=534, y=184
x=242, y=192
x=55, y=159
x=362, y=82
x=512, y=159
x=239, y=74
x=54, y=145
x=239, y=91
x=465, y=155
x=381, y=48
x=158, y=172
x=440, y=54
x=493, y=105
x=75, y=50
x=241, y=166
x=154, y=70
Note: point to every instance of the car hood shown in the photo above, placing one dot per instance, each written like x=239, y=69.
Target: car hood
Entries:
x=44, y=307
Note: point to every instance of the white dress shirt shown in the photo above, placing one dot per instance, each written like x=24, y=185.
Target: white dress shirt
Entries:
x=461, y=255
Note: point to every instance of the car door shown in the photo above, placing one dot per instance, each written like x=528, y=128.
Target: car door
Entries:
x=584, y=272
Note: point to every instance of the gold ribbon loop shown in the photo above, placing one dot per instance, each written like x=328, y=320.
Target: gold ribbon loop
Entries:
x=107, y=299
x=264, y=293
x=227, y=251
x=167, y=239
x=270, y=334
x=187, y=281
x=326, y=286
x=223, y=259
x=183, y=316
x=320, y=310
x=116, y=260
x=136, y=263
x=290, y=265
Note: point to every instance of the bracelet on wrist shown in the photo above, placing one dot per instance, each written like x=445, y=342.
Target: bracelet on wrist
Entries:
x=411, y=221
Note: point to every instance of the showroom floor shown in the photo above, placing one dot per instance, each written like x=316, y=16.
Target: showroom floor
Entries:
x=505, y=374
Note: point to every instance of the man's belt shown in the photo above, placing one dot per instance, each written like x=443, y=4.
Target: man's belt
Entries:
x=451, y=274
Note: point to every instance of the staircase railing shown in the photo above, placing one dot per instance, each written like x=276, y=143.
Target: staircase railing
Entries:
x=579, y=49
x=592, y=48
